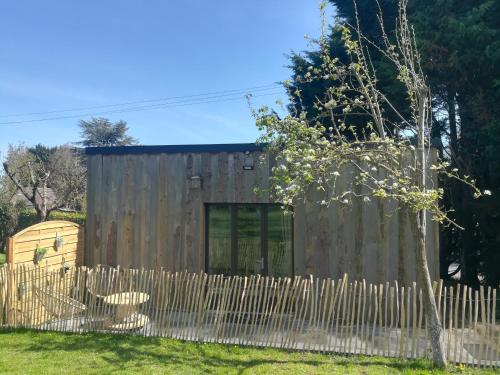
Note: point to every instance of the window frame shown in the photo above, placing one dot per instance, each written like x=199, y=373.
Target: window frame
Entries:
x=264, y=229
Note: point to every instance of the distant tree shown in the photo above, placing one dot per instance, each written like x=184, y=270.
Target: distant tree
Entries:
x=101, y=132
x=32, y=171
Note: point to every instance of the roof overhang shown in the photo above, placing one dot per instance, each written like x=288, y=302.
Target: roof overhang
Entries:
x=162, y=149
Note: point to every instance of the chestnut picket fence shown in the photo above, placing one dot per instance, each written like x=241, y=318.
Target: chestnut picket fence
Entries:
x=300, y=313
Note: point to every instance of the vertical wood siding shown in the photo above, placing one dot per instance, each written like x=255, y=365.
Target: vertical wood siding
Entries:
x=145, y=210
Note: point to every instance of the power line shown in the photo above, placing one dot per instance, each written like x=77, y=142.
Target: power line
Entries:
x=224, y=92
x=182, y=103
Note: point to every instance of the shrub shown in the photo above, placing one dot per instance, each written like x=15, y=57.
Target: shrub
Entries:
x=8, y=221
x=28, y=217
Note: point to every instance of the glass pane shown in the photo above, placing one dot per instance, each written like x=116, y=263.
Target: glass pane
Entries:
x=279, y=242
x=219, y=239
x=248, y=234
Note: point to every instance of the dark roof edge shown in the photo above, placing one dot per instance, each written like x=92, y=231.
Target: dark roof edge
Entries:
x=124, y=150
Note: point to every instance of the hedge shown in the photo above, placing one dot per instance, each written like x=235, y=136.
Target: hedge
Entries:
x=28, y=218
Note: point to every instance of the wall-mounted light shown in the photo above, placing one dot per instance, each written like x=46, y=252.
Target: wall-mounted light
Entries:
x=248, y=162
x=195, y=182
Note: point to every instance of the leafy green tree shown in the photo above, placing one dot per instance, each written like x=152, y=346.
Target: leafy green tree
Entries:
x=460, y=47
x=305, y=92
x=101, y=132
x=461, y=42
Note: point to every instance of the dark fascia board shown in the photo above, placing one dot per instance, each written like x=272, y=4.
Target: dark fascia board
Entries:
x=169, y=149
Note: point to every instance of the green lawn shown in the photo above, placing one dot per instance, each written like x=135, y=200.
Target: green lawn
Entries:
x=2, y=258
x=28, y=352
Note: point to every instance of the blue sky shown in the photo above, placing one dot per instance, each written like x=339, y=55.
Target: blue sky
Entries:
x=58, y=55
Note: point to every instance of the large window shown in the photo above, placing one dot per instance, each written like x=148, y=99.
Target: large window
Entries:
x=245, y=239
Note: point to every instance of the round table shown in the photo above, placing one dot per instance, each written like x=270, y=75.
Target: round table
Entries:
x=126, y=315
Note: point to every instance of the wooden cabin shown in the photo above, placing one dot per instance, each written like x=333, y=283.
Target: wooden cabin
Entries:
x=194, y=207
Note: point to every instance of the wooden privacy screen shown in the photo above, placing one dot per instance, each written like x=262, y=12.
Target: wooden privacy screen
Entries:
x=62, y=242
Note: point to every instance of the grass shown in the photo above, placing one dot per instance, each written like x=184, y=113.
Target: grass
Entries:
x=2, y=258
x=30, y=352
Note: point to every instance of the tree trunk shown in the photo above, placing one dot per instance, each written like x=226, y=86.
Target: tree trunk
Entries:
x=452, y=122
x=41, y=206
x=41, y=212
x=434, y=327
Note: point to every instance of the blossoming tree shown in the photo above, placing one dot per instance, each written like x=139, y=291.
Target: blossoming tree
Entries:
x=389, y=159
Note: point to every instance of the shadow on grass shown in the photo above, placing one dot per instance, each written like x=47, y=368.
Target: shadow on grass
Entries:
x=128, y=352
